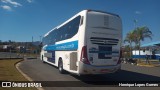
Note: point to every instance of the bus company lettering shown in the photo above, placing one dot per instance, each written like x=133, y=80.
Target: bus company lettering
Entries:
x=65, y=47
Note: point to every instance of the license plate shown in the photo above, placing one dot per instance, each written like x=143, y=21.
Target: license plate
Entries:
x=105, y=52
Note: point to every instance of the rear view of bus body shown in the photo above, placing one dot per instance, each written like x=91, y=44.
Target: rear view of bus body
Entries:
x=87, y=43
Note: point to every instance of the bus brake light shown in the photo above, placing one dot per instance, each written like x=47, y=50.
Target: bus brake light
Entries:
x=84, y=57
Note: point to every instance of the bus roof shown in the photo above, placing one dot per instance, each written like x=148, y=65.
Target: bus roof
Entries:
x=83, y=11
x=64, y=23
x=103, y=12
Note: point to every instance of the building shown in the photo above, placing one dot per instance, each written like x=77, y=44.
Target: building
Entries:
x=151, y=49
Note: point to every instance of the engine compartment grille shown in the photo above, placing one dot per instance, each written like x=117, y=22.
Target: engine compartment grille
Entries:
x=104, y=41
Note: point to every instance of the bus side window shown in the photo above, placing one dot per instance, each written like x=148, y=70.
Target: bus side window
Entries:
x=66, y=35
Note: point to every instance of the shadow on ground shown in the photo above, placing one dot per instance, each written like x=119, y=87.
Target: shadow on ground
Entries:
x=115, y=78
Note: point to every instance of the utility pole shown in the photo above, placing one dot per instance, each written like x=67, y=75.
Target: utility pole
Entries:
x=135, y=25
x=40, y=38
x=32, y=45
x=32, y=39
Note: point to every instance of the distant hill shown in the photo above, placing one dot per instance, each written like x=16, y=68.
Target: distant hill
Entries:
x=36, y=43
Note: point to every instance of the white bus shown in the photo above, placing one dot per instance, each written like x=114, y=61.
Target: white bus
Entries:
x=87, y=43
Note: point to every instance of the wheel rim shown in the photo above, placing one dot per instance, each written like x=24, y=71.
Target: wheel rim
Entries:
x=60, y=67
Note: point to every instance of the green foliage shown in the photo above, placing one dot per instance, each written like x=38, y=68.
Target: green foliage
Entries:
x=130, y=39
x=141, y=33
x=136, y=36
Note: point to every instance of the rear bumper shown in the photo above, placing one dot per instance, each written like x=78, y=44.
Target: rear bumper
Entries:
x=90, y=69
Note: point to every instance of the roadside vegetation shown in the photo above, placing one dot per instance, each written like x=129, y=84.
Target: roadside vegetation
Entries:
x=8, y=72
x=152, y=63
x=134, y=39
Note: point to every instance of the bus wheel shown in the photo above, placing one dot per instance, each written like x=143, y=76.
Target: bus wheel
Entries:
x=60, y=67
x=42, y=59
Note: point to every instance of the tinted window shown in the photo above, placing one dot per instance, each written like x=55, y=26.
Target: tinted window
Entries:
x=65, y=32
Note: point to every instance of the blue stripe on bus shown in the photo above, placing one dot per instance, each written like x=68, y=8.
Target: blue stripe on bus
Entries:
x=64, y=46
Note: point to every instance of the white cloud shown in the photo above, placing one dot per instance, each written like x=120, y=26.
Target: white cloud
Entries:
x=30, y=1
x=5, y=7
x=9, y=4
x=15, y=4
x=138, y=12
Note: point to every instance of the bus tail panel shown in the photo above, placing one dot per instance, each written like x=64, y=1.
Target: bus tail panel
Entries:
x=103, y=35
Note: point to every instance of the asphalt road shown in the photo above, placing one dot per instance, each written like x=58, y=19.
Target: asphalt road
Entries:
x=39, y=71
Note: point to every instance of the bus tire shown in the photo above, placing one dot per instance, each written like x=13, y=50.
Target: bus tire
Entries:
x=43, y=59
x=60, y=67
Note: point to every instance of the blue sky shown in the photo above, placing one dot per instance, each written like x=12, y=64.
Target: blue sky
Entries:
x=22, y=19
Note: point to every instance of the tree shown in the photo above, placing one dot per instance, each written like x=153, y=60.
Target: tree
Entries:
x=130, y=38
x=141, y=33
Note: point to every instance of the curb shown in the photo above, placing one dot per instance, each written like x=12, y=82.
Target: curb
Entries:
x=148, y=65
x=17, y=64
x=10, y=58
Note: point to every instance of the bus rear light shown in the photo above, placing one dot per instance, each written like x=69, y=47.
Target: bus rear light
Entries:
x=105, y=70
x=84, y=57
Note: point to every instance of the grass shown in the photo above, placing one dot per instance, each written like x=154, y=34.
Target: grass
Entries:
x=8, y=72
x=142, y=62
x=28, y=54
